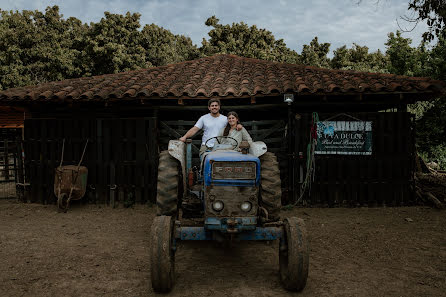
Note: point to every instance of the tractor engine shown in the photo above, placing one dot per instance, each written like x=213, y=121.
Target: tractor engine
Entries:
x=231, y=191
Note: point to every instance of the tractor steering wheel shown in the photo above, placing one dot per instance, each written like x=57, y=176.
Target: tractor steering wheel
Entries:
x=218, y=138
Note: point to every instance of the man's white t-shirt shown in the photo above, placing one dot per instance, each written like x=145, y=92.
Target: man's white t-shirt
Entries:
x=211, y=127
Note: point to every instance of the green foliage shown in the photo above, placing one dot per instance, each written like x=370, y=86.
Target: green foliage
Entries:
x=431, y=133
x=431, y=127
x=358, y=58
x=37, y=47
x=162, y=47
x=241, y=40
x=404, y=59
x=436, y=65
x=434, y=12
x=315, y=54
x=112, y=45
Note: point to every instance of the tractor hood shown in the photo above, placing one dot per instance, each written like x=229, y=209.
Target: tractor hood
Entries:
x=230, y=156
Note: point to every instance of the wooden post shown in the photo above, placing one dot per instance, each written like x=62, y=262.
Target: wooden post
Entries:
x=153, y=155
x=290, y=156
x=6, y=160
x=20, y=175
x=140, y=146
x=112, y=184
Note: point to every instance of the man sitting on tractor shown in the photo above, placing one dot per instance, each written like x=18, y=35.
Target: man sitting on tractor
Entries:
x=212, y=124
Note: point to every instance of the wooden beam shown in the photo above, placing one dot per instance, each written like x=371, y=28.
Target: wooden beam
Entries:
x=271, y=130
x=229, y=107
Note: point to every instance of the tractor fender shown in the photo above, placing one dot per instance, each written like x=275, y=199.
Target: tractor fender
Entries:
x=177, y=149
x=258, y=148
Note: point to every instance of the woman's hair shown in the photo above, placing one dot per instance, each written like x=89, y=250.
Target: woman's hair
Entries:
x=228, y=127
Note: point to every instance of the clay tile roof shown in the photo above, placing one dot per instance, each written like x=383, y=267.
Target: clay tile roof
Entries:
x=222, y=76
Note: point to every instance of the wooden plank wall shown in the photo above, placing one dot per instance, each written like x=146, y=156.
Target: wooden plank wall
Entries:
x=118, y=157
x=384, y=178
x=124, y=152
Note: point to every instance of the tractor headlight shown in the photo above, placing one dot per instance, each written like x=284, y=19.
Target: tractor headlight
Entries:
x=246, y=206
x=217, y=205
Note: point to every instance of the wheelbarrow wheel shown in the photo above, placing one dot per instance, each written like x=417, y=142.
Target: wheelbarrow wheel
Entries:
x=62, y=202
x=162, y=254
x=294, y=255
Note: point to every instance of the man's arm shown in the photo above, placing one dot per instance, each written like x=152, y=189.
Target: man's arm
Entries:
x=192, y=131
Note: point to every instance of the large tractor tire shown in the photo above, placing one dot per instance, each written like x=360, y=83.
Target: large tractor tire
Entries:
x=162, y=254
x=169, y=185
x=270, y=186
x=294, y=255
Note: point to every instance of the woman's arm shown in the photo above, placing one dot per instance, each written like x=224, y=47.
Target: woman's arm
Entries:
x=246, y=136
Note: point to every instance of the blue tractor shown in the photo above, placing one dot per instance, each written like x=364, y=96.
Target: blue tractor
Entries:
x=235, y=195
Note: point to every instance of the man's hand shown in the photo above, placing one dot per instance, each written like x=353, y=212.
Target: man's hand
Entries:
x=239, y=127
x=183, y=139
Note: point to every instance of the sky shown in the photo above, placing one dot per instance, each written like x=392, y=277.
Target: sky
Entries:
x=339, y=22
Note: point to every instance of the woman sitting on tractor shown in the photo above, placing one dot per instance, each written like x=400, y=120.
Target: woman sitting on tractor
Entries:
x=231, y=131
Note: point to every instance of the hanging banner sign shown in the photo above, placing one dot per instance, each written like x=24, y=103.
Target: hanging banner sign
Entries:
x=344, y=138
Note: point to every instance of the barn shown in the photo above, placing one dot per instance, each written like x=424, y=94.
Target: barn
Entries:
x=343, y=138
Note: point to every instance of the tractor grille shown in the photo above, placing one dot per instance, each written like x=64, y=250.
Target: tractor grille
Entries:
x=234, y=170
x=232, y=197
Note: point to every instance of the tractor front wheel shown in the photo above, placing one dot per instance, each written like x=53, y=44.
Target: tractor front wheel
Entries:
x=168, y=187
x=270, y=185
x=294, y=255
x=162, y=254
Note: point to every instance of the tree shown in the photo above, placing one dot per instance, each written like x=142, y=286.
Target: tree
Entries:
x=37, y=47
x=315, y=54
x=436, y=65
x=241, y=40
x=432, y=11
x=113, y=45
x=431, y=126
x=162, y=47
x=404, y=59
x=358, y=58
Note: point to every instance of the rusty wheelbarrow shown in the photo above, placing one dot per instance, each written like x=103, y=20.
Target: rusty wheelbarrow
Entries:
x=70, y=182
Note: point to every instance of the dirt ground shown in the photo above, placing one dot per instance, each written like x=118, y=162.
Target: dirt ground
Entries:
x=100, y=251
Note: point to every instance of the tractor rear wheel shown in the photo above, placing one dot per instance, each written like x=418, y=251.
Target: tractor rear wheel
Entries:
x=270, y=185
x=294, y=255
x=162, y=254
x=168, y=188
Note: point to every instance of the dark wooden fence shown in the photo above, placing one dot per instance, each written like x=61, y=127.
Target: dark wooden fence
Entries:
x=122, y=157
x=119, y=157
x=383, y=178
